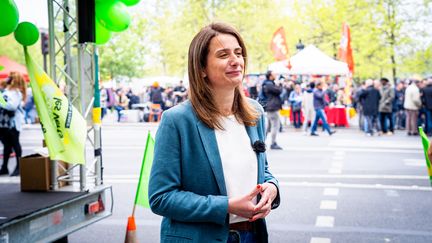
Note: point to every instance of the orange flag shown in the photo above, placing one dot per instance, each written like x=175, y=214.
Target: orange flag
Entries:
x=345, y=52
x=278, y=45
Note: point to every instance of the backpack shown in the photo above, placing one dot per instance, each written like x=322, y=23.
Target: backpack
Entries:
x=262, y=98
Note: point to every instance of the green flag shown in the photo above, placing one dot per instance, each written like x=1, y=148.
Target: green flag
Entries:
x=64, y=128
x=141, y=197
x=426, y=144
x=2, y=100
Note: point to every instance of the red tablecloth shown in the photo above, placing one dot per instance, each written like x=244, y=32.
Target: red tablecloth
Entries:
x=336, y=116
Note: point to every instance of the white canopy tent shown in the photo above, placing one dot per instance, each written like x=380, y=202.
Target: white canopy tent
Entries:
x=310, y=61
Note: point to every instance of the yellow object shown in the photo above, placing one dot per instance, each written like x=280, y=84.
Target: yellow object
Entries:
x=285, y=112
x=97, y=114
x=352, y=112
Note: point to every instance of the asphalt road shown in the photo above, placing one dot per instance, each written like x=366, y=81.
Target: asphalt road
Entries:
x=342, y=188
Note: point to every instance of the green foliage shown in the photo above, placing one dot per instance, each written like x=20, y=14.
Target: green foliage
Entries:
x=13, y=50
x=124, y=54
x=389, y=37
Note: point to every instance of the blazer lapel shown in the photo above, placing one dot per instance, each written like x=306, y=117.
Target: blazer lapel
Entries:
x=208, y=139
x=253, y=136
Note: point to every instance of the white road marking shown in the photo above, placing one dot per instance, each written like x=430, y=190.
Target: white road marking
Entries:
x=415, y=162
x=391, y=193
x=339, y=153
x=356, y=186
x=374, y=144
x=336, y=164
x=353, y=176
x=324, y=221
x=320, y=240
x=331, y=191
x=328, y=204
x=354, y=149
x=334, y=171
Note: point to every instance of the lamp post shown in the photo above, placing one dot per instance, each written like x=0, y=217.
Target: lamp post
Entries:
x=334, y=50
x=300, y=46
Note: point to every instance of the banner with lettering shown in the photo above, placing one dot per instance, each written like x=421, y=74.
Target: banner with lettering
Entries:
x=279, y=45
x=64, y=128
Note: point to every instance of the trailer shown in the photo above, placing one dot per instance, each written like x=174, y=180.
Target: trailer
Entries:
x=52, y=215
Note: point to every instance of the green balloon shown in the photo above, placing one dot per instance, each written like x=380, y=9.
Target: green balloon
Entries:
x=26, y=34
x=113, y=15
x=1, y=67
x=10, y=17
x=130, y=2
x=102, y=35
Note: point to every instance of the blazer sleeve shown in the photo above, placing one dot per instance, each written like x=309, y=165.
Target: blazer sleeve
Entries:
x=165, y=190
x=268, y=177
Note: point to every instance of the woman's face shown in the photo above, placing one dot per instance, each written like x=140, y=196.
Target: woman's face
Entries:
x=225, y=62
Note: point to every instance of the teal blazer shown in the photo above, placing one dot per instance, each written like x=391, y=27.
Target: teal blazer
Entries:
x=187, y=184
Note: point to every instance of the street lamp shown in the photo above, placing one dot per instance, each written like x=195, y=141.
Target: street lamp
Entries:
x=300, y=46
x=334, y=50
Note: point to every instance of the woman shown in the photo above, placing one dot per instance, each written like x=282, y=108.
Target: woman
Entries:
x=210, y=179
x=11, y=116
x=296, y=104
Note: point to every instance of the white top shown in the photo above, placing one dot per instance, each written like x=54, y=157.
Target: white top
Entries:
x=239, y=161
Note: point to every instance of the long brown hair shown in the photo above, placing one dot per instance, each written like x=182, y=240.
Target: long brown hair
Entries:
x=17, y=82
x=201, y=96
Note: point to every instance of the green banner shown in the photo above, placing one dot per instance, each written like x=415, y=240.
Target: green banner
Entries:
x=2, y=100
x=426, y=144
x=64, y=128
x=141, y=197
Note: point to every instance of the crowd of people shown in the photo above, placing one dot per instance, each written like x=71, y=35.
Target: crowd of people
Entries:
x=383, y=108
x=123, y=98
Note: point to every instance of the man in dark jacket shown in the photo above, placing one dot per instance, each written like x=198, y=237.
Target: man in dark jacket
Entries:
x=427, y=97
x=370, y=98
x=274, y=104
x=319, y=105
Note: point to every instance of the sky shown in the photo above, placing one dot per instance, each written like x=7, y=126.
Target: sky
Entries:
x=34, y=11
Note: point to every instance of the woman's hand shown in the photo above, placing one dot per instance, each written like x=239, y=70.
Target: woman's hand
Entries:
x=263, y=208
x=244, y=206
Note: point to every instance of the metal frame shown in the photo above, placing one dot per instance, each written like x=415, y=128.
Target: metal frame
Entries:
x=74, y=65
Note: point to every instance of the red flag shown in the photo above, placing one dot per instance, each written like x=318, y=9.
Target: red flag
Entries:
x=345, y=52
x=278, y=45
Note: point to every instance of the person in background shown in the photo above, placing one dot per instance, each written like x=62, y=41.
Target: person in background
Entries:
x=398, y=106
x=103, y=100
x=385, y=106
x=308, y=107
x=180, y=93
x=370, y=99
x=210, y=179
x=156, y=96
x=296, y=104
x=11, y=118
x=122, y=103
x=274, y=103
x=319, y=105
x=427, y=97
x=412, y=105
x=29, y=108
x=358, y=104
